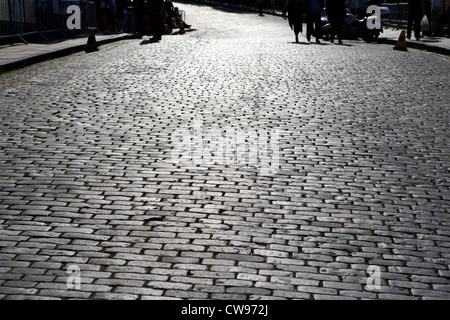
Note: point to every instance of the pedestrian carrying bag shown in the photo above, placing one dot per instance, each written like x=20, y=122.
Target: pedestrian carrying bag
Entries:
x=425, y=24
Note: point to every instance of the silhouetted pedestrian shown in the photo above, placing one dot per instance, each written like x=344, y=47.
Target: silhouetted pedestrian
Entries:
x=437, y=8
x=427, y=12
x=156, y=18
x=111, y=17
x=140, y=9
x=120, y=8
x=415, y=15
x=100, y=15
x=294, y=9
x=336, y=12
x=447, y=13
x=260, y=7
x=168, y=12
x=313, y=24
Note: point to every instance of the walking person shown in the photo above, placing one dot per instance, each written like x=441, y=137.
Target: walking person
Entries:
x=168, y=9
x=140, y=9
x=436, y=13
x=111, y=17
x=100, y=15
x=294, y=9
x=156, y=19
x=427, y=12
x=447, y=13
x=336, y=12
x=260, y=7
x=415, y=15
x=120, y=7
x=313, y=23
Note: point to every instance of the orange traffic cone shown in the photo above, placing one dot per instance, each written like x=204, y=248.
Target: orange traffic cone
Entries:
x=401, y=43
x=91, y=45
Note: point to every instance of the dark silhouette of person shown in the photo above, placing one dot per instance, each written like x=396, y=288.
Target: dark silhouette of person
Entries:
x=427, y=12
x=447, y=14
x=415, y=14
x=260, y=7
x=313, y=24
x=156, y=18
x=140, y=8
x=336, y=12
x=294, y=9
x=168, y=12
x=100, y=15
x=120, y=8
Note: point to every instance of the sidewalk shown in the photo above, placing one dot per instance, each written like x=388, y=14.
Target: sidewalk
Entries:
x=433, y=44
x=20, y=55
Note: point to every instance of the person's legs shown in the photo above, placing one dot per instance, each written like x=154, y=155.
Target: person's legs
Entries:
x=114, y=25
x=168, y=21
x=427, y=8
x=417, y=21
x=333, y=31
x=333, y=26
x=297, y=30
x=433, y=20
x=111, y=22
x=157, y=27
x=120, y=7
x=339, y=30
x=411, y=19
x=260, y=7
x=139, y=13
x=435, y=14
x=448, y=21
x=317, y=27
x=309, y=27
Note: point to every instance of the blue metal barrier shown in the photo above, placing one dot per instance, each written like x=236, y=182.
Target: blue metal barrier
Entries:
x=19, y=18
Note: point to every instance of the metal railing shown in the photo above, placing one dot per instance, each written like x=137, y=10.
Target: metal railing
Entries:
x=398, y=16
x=19, y=18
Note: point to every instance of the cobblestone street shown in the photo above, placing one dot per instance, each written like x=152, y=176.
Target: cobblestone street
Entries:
x=357, y=136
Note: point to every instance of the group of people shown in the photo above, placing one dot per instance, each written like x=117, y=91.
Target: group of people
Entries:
x=437, y=13
x=110, y=15
x=311, y=10
x=153, y=15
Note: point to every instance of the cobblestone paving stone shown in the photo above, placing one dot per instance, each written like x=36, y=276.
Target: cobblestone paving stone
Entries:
x=87, y=175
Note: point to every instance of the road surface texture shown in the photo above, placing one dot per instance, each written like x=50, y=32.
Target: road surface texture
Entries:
x=227, y=163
